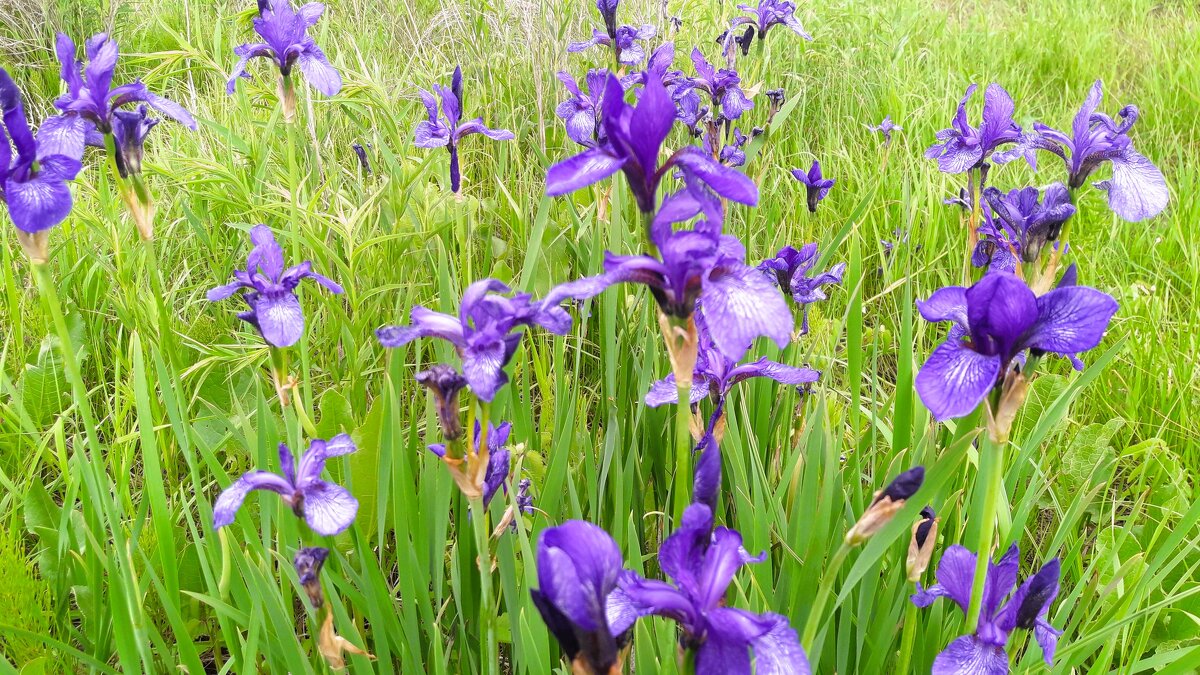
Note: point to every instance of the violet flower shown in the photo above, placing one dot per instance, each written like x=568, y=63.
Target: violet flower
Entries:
x=963, y=147
x=1137, y=189
x=486, y=331
x=447, y=131
x=624, y=43
x=90, y=94
x=498, y=458
x=702, y=562
x=578, y=567
x=271, y=290
x=700, y=266
x=790, y=269
x=1027, y=608
x=633, y=139
x=286, y=42
x=361, y=153
x=816, y=185
x=33, y=179
x=770, y=13
x=996, y=320
x=716, y=374
x=129, y=130
x=581, y=112
x=1025, y=225
x=326, y=507
x=723, y=87
x=887, y=127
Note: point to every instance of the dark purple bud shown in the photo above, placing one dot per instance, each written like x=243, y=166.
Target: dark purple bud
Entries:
x=923, y=527
x=362, y=158
x=608, y=12
x=264, y=6
x=308, y=563
x=904, y=486
x=456, y=87
x=445, y=383
x=676, y=23
x=1042, y=588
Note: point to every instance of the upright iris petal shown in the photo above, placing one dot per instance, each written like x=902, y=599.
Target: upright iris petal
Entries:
x=286, y=42
x=963, y=147
x=983, y=653
x=35, y=170
x=447, y=131
x=327, y=508
x=633, y=140
x=271, y=290
x=995, y=320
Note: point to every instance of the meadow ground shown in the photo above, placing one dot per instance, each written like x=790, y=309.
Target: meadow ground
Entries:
x=116, y=567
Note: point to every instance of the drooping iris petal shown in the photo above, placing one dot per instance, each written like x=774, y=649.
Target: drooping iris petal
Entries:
x=1137, y=189
x=231, y=499
x=739, y=305
x=968, y=655
x=328, y=508
x=1071, y=319
x=955, y=380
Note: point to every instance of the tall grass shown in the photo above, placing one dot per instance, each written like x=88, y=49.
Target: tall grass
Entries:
x=106, y=547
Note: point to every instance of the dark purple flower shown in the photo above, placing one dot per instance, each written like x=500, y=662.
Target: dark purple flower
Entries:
x=608, y=13
x=790, y=270
x=702, y=562
x=920, y=546
x=770, y=13
x=723, y=87
x=308, y=563
x=700, y=266
x=1026, y=224
x=886, y=127
x=445, y=383
x=633, y=140
x=814, y=183
x=1027, y=608
x=327, y=508
x=130, y=130
x=361, y=153
x=286, y=42
x=486, y=331
x=447, y=132
x=581, y=112
x=33, y=179
x=579, y=566
x=274, y=308
x=90, y=94
x=498, y=458
x=996, y=249
x=963, y=147
x=524, y=498
x=731, y=153
x=996, y=320
x=1137, y=189
x=624, y=43
x=715, y=374
x=731, y=39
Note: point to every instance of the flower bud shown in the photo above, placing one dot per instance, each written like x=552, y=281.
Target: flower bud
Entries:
x=36, y=245
x=920, y=547
x=885, y=505
x=445, y=383
x=308, y=563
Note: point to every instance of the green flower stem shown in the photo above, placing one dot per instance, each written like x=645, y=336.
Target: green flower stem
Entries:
x=974, y=177
x=991, y=471
x=907, y=638
x=823, y=591
x=304, y=392
x=683, y=450
x=488, y=650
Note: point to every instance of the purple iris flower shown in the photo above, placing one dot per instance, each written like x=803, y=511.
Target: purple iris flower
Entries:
x=702, y=562
x=963, y=147
x=327, y=508
x=700, y=266
x=581, y=112
x=130, y=129
x=715, y=374
x=790, y=269
x=579, y=566
x=33, y=180
x=770, y=13
x=486, y=331
x=731, y=38
x=996, y=320
x=90, y=94
x=624, y=43
x=814, y=183
x=886, y=127
x=1027, y=608
x=732, y=153
x=633, y=139
x=1137, y=189
x=723, y=87
x=436, y=133
x=286, y=42
x=498, y=458
x=1027, y=221
x=274, y=308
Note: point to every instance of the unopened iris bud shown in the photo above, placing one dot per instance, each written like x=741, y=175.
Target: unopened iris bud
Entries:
x=362, y=158
x=920, y=547
x=445, y=383
x=776, y=97
x=885, y=505
x=308, y=563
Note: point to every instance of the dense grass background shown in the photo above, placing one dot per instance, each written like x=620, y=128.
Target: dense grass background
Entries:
x=1102, y=471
